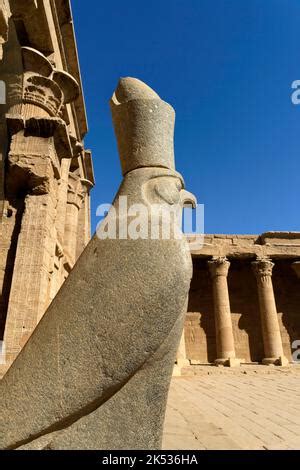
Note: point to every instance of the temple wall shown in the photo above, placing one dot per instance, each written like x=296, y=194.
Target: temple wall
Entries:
x=200, y=332
x=287, y=294
x=45, y=180
x=200, y=329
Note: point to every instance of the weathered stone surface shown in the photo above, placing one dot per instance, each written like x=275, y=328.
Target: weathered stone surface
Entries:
x=45, y=220
x=42, y=148
x=219, y=267
x=269, y=317
x=144, y=126
x=241, y=250
x=98, y=365
x=287, y=245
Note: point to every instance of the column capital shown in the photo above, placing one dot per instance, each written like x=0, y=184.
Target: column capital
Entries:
x=218, y=266
x=262, y=267
x=43, y=90
x=86, y=185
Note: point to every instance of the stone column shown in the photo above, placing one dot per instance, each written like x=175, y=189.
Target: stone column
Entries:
x=105, y=349
x=29, y=295
x=84, y=228
x=39, y=139
x=62, y=198
x=74, y=203
x=268, y=312
x=218, y=268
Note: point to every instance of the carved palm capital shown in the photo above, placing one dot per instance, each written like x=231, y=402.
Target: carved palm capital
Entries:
x=45, y=90
x=262, y=269
x=219, y=266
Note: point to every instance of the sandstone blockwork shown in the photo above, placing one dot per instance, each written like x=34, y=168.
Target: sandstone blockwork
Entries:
x=263, y=283
x=244, y=302
x=45, y=173
x=103, y=354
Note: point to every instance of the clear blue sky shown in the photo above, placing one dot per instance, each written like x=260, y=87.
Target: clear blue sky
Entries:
x=227, y=67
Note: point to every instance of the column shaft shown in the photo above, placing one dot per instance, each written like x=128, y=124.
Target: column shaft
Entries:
x=62, y=198
x=74, y=204
x=225, y=341
x=224, y=333
x=29, y=295
x=268, y=312
x=71, y=227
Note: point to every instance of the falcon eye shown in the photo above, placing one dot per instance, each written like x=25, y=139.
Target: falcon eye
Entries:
x=167, y=190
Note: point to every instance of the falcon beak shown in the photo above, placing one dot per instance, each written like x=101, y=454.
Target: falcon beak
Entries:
x=188, y=199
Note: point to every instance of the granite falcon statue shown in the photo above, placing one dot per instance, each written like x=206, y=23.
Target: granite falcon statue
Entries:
x=95, y=373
